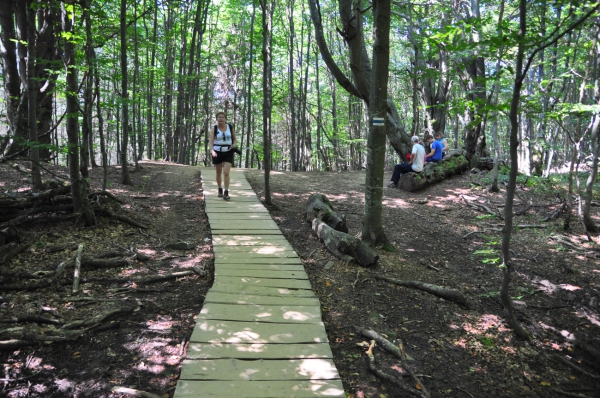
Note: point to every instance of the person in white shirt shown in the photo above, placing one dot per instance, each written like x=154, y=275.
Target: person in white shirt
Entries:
x=416, y=163
x=222, y=144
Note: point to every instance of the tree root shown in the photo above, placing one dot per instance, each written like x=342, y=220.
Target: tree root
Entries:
x=120, y=217
x=31, y=318
x=446, y=294
x=174, y=275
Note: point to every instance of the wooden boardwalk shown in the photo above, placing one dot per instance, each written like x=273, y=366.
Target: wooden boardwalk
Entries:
x=259, y=333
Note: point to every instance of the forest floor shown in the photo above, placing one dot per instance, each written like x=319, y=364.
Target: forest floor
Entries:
x=440, y=239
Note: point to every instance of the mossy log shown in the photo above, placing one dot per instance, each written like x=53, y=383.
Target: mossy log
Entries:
x=433, y=173
x=319, y=207
x=343, y=246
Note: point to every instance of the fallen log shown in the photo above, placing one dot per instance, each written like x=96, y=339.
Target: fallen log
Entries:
x=319, y=207
x=345, y=247
x=446, y=294
x=433, y=173
x=95, y=263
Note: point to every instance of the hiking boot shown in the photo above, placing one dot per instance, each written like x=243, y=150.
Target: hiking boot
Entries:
x=392, y=185
x=226, y=195
x=220, y=192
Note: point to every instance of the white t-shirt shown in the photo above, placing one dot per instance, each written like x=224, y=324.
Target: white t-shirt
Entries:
x=418, y=154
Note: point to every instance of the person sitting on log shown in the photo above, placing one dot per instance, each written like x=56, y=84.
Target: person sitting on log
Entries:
x=439, y=136
x=416, y=163
x=436, y=150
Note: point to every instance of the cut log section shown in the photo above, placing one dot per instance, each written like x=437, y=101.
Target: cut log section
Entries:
x=433, y=173
x=319, y=207
x=343, y=246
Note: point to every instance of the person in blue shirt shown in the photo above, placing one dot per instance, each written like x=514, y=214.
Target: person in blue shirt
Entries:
x=436, y=150
x=439, y=136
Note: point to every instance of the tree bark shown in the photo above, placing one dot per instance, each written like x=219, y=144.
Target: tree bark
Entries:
x=34, y=153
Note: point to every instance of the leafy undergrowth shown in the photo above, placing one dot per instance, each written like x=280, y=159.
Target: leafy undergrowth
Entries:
x=455, y=352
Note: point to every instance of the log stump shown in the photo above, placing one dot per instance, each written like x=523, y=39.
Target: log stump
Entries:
x=319, y=207
x=433, y=173
x=343, y=246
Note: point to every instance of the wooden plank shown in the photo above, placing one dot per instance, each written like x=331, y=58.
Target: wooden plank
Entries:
x=236, y=298
x=219, y=331
x=223, y=231
x=238, y=207
x=263, y=263
x=244, y=224
x=258, y=351
x=261, y=369
x=258, y=389
x=262, y=313
x=283, y=248
x=232, y=260
x=239, y=216
x=262, y=290
x=247, y=239
x=242, y=282
x=214, y=191
x=261, y=273
x=209, y=199
x=255, y=251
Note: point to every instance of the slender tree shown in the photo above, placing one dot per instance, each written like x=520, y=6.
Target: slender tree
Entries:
x=32, y=96
x=267, y=7
x=126, y=179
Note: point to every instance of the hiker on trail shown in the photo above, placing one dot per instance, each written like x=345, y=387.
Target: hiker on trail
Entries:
x=222, y=143
x=436, y=150
x=416, y=163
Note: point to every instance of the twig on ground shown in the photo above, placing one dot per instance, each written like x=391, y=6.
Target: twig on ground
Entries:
x=356, y=281
x=575, y=367
x=570, y=394
x=134, y=392
x=77, y=273
x=394, y=350
x=447, y=294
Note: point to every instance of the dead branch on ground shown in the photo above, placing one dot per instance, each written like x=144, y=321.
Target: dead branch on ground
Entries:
x=446, y=294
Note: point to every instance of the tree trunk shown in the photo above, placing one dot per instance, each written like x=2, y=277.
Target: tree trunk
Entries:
x=512, y=182
x=72, y=105
x=32, y=97
x=13, y=96
x=268, y=7
x=372, y=230
x=126, y=179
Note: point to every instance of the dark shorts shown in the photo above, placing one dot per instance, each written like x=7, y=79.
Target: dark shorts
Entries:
x=226, y=157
